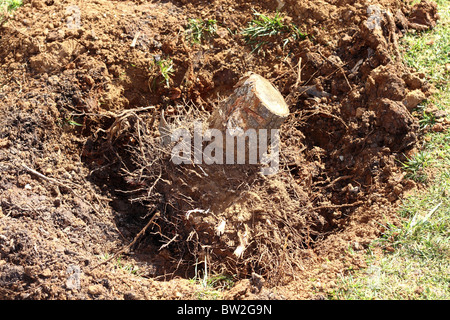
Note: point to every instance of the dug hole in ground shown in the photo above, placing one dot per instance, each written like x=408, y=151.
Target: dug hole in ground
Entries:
x=91, y=207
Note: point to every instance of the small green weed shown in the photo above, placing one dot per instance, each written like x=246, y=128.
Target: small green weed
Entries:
x=68, y=121
x=262, y=29
x=6, y=7
x=198, y=29
x=426, y=119
x=414, y=166
x=127, y=267
x=164, y=70
x=73, y=123
x=220, y=281
x=10, y=4
x=212, y=285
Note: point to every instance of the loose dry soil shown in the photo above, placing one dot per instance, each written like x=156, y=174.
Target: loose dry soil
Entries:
x=81, y=175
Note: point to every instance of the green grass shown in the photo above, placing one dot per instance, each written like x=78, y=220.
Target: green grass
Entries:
x=6, y=7
x=428, y=52
x=415, y=166
x=10, y=4
x=427, y=119
x=415, y=258
x=418, y=266
x=163, y=69
x=127, y=267
x=263, y=29
x=212, y=285
x=197, y=30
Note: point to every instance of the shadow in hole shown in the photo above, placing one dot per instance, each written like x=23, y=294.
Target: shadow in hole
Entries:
x=130, y=217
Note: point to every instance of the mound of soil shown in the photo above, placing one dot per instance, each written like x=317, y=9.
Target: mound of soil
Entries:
x=92, y=208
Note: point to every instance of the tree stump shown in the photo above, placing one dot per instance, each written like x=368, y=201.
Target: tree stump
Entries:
x=254, y=104
x=202, y=198
x=255, y=110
